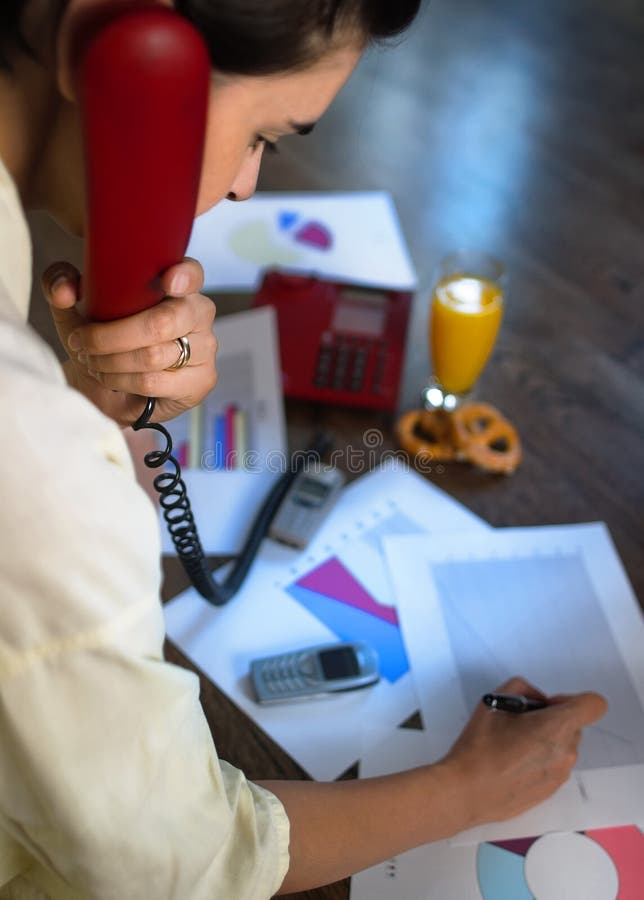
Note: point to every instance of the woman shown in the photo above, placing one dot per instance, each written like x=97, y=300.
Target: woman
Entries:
x=111, y=786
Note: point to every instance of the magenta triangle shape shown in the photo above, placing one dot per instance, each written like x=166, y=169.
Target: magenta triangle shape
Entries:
x=520, y=846
x=333, y=580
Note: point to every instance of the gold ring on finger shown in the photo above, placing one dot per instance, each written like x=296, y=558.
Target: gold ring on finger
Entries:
x=184, y=354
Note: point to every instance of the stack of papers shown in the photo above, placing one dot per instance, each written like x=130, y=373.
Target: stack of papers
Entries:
x=457, y=608
x=554, y=605
x=273, y=613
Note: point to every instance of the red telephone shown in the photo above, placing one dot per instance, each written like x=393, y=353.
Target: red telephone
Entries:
x=142, y=78
x=339, y=343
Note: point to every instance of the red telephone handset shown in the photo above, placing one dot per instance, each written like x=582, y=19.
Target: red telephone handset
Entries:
x=142, y=78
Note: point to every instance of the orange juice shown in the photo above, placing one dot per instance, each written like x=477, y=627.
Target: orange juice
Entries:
x=465, y=319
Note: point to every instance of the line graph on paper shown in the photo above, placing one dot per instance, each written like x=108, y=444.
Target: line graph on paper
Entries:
x=508, y=615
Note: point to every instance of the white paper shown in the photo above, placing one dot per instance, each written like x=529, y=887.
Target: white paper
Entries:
x=554, y=866
x=432, y=872
x=225, y=503
x=236, y=242
x=554, y=605
x=273, y=613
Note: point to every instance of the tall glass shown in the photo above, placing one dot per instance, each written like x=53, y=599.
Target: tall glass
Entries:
x=466, y=311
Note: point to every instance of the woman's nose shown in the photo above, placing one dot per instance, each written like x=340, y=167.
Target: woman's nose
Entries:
x=245, y=181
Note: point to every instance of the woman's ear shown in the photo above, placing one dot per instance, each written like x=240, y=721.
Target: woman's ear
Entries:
x=81, y=18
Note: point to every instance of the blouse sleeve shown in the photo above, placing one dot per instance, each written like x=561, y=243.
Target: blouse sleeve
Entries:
x=111, y=780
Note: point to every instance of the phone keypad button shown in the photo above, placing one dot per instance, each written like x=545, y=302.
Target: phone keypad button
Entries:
x=289, y=674
x=307, y=667
x=352, y=364
x=270, y=672
x=324, y=365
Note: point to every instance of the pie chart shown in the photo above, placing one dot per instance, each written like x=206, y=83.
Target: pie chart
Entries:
x=599, y=864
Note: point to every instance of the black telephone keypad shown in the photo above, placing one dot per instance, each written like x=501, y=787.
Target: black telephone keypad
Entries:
x=343, y=363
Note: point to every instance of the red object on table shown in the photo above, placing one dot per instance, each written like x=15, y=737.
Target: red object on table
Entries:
x=339, y=343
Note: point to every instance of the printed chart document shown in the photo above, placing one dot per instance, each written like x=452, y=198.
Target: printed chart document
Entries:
x=225, y=500
x=348, y=236
x=596, y=864
x=337, y=590
x=554, y=605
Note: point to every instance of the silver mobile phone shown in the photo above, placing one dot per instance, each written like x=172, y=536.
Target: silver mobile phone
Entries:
x=321, y=670
x=307, y=503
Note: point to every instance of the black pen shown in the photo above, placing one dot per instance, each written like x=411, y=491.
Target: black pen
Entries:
x=514, y=703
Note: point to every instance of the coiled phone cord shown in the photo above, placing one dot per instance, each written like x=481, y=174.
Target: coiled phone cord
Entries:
x=177, y=512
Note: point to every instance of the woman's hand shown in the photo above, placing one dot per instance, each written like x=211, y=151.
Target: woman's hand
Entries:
x=500, y=765
x=508, y=762
x=116, y=364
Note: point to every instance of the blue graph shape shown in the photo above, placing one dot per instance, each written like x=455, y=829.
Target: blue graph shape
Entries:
x=351, y=624
x=286, y=219
x=501, y=874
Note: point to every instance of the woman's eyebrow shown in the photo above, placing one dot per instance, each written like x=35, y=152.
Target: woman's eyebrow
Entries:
x=302, y=127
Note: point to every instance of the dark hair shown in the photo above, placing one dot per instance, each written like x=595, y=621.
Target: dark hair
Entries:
x=10, y=34
x=262, y=37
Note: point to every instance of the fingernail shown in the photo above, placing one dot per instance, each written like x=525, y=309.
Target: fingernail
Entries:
x=58, y=281
x=93, y=373
x=74, y=342
x=82, y=357
x=179, y=283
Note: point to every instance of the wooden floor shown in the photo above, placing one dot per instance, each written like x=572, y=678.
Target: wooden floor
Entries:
x=517, y=126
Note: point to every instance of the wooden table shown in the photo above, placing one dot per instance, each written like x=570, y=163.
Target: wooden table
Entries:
x=518, y=127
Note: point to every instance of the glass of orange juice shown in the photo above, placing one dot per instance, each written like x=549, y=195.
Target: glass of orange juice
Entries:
x=466, y=312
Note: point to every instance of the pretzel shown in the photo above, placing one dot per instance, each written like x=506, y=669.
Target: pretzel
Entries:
x=485, y=438
x=426, y=434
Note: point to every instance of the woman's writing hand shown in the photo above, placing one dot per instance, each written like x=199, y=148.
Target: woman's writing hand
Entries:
x=116, y=364
x=503, y=763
